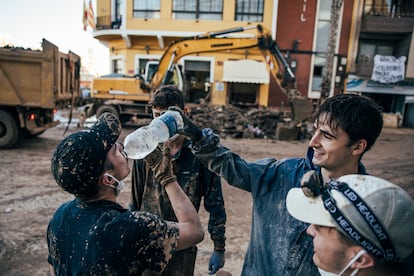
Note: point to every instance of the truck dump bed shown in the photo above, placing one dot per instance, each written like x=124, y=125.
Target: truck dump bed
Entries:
x=33, y=84
x=35, y=78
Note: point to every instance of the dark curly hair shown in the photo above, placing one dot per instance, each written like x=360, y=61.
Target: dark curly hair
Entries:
x=166, y=96
x=359, y=116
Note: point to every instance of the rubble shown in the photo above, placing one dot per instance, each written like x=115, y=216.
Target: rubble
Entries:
x=237, y=122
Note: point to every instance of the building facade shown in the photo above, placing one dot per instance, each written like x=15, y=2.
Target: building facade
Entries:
x=324, y=41
x=137, y=31
x=382, y=65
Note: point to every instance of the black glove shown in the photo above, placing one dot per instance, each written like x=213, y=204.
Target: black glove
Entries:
x=189, y=129
x=160, y=163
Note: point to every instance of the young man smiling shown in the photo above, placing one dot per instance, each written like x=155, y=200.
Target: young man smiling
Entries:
x=345, y=127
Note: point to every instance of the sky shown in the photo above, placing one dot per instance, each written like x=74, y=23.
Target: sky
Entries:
x=24, y=23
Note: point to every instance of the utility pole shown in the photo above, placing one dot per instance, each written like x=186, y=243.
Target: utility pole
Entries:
x=328, y=72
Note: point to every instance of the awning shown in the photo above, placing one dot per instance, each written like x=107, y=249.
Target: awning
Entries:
x=357, y=84
x=246, y=70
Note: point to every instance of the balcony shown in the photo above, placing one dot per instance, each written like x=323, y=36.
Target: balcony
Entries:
x=384, y=24
x=106, y=22
x=107, y=29
x=383, y=16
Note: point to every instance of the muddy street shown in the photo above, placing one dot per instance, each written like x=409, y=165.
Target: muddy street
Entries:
x=30, y=196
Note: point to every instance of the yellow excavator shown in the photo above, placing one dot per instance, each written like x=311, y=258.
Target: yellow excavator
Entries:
x=127, y=96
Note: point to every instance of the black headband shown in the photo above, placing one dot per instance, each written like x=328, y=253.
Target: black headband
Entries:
x=387, y=252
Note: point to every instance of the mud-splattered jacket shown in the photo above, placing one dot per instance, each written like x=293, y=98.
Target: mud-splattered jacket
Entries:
x=278, y=244
x=195, y=180
x=102, y=238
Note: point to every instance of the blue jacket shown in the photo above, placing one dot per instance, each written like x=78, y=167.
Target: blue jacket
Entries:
x=278, y=244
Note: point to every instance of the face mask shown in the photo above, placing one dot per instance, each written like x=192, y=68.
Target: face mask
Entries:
x=353, y=260
x=120, y=184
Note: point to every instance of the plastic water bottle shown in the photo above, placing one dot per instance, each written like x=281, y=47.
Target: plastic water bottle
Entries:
x=144, y=140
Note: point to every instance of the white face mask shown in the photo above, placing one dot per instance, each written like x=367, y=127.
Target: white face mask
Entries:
x=120, y=184
x=353, y=260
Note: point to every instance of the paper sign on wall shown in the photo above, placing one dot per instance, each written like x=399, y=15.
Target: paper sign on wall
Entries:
x=388, y=69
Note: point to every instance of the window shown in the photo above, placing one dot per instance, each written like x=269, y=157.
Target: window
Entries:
x=117, y=7
x=369, y=48
x=198, y=9
x=116, y=66
x=150, y=64
x=147, y=9
x=322, y=36
x=116, y=18
x=318, y=71
x=142, y=62
x=249, y=10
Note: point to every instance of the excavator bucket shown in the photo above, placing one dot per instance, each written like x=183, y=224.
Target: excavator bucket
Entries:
x=301, y=109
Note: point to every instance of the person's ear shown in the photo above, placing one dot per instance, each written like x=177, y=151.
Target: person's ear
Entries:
x=185, y=110
x=359, y=147
x=107, y=180
x=364, y=261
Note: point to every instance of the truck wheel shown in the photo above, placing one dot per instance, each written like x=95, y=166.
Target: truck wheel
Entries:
x=9, y=132
x=106, y=108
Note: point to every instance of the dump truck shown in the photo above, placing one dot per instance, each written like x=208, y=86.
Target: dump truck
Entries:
x=127, y=97
x=33, y=84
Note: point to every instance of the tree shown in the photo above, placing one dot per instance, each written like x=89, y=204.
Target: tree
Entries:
x=330, y=55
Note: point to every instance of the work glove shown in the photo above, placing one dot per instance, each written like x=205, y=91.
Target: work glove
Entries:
x=189, y=129
x=311, y=184
x=160, y=163
x=216, y=262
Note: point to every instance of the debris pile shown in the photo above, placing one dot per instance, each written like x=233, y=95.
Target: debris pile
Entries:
x=237, y=122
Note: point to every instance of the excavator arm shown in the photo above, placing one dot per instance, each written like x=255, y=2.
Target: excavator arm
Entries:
x=218, y=41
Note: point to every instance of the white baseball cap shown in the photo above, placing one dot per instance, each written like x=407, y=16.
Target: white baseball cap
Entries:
x=392, y=207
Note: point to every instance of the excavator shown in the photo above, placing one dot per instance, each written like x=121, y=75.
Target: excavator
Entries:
x=122, y=102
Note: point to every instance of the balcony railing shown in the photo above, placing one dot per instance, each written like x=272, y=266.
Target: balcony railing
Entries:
x=381, y=17
x=106, y=22
x=398, y=8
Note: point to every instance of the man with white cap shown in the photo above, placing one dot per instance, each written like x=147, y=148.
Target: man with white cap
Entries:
x=359, y=223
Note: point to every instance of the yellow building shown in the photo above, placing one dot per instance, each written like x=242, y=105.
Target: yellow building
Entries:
x=138, y=31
